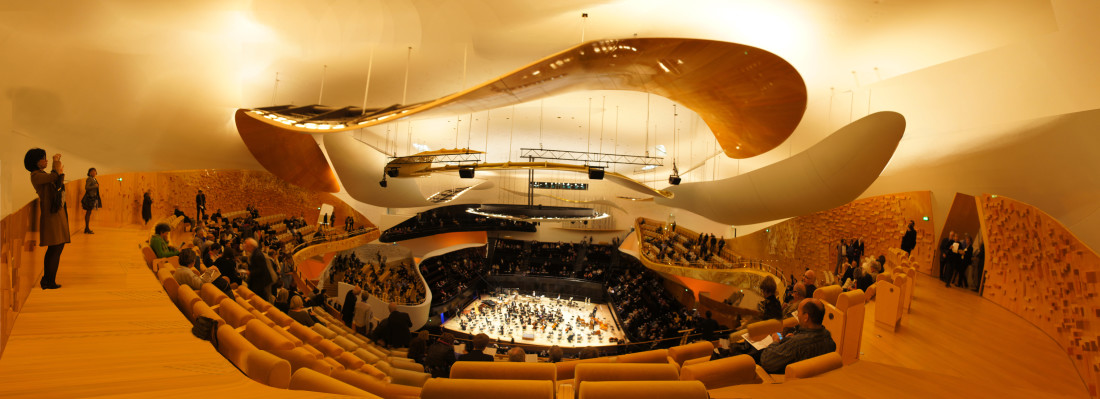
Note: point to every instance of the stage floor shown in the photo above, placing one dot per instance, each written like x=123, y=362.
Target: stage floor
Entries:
x=539, y=320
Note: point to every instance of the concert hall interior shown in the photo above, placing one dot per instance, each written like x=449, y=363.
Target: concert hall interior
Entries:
x=650, y=187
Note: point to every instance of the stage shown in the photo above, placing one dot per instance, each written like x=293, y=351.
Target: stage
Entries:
x=539, y=320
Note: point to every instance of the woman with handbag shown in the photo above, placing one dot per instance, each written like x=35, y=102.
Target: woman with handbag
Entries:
x=53, y=221
x=91, y=199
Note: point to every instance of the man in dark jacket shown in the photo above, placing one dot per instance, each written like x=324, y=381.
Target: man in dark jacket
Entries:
x=259, y=273
x=477, y=354
x=441, y=355
x=909, y=240
x=399, y=323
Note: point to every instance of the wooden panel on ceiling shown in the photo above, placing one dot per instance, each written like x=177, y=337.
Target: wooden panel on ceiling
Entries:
x=751, y=99
x=291, y=156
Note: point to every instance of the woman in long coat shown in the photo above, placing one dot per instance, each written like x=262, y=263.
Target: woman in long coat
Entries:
x=53, y=219
x=147, y=207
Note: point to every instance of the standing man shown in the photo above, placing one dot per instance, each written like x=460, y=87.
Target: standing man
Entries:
x=260, y=276
x=909, y=240
x=398, y=323
x=945, y=257
x=200, y=205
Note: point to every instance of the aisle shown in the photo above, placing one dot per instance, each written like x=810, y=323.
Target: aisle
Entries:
x=111, y=330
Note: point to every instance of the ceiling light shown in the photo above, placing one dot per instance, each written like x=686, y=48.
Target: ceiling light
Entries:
x=662, y=65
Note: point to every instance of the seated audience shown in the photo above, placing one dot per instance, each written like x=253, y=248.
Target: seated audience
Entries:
x=441, y=355
x=418, y=347
x=477, y=354
x=808, y=340
x=517, y=354
x=159, y=241
x=797, y=295
x=556, y=354
x=299, y=313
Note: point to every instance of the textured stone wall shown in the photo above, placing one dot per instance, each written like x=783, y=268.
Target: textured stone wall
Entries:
x=810, y=241
x=1039, y=270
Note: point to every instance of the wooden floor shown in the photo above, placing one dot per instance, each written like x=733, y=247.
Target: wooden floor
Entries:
x=112, y=331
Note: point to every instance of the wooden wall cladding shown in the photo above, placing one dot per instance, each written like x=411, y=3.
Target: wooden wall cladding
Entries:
x=228, y=190
x=1039, y=270
x=810, y=241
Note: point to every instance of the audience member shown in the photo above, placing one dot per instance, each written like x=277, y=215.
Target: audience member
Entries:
x=517, y=354
x=399, y=323
x=441, y=355
x=363, y=314
x=556, y=354
x=477, y=354
x=798, y=294
x=159, y=241
x=808, y=340
x=418, y=346
x=298, y=312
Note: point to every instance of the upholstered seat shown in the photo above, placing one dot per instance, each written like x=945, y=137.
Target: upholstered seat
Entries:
x=504, y=371
x=305, y=379
x=828, y=293
x=642, y=390
x=257, y=364
x=813, y=366
x=233, y=313
x=445, y=388
x=376, y=385
x=653, y=356
x=720, y=373
x=683, y=353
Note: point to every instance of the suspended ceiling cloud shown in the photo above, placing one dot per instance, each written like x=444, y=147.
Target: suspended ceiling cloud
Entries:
x=830, y=174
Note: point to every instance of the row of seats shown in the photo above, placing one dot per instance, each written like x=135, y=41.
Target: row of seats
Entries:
x=273, y=349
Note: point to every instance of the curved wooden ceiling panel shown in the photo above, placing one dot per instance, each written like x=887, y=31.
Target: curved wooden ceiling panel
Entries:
x=751, y=99
x=291, y=156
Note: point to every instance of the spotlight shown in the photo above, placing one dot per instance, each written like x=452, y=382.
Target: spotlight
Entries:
x=382, y=183
x=466, y=172
x=393, y=172
x=674, y=180
x=595, y=173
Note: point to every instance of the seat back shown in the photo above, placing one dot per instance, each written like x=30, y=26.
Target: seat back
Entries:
x=376, y=385
x=304, y=333
x=683, y=353
x=299, y=357
x=566, y=369
x=853, y=304
x=264, y=337
x=643, y=390
x=211, y=294
x=446, y=388
x=888, y=300
x=625, y=372
x=233, y=313
x=813, y=366
x=828, y=293
x=149, y=256
x=735, y=370
x=834, y=322
x=764, y=328
x=186, y=298
x=653, y=356
x=305, y=379
x=504, y=371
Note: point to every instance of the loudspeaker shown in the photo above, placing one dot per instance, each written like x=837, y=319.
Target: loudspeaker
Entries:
x=674, y=180
x=466, y=173
x=382, y=183
x=595, y=173
x=393, y=172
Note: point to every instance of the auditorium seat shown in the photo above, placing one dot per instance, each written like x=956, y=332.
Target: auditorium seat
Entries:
x=813, y=366
x=683, y=353
x=149, y=256
x=328, y=348
x=643, y=390
x=281, y=319
x=300, y=357
x=735, y=370
x=333, y=363
x=233, y=313
x=350, y=361
x=888, y=305
x=624, y=372
x=402, y=376
x=567, y=368
x=504, y=371
x=259, y=303
x=264, y=337
x=186, y=299
x=244, y=292
x=366, y=355
x=306, y=334
x=761, y=329
x=652, y=356
x=376, y=385
x=309, y=380
x=828, y=293
x=372, y=371
x=211, y=294
x=445, y=388
x=789, y=322
x=171, y=288
x=405, y=363
x=345, y=343
x=258, y=365
x=324, y=331
x=316, y=353
x=200, y=308
x=853, y=305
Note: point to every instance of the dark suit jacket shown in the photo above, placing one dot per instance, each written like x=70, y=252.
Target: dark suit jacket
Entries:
x=259, y=277
x=476, y=357
x=399, y=324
